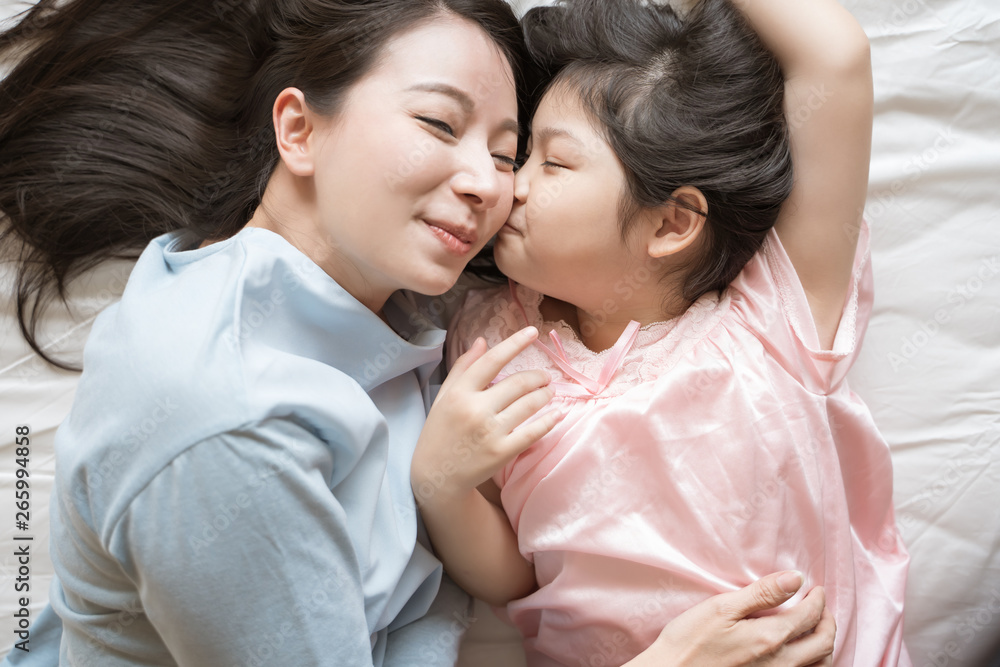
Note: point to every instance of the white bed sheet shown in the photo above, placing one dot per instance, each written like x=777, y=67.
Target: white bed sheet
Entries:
x=930, y=368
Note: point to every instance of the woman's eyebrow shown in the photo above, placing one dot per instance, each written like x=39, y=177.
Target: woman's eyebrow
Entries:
x=451, y=91
x=463, y=99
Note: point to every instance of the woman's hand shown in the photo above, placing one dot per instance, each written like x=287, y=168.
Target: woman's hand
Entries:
x=717, y=632
x=470, y=431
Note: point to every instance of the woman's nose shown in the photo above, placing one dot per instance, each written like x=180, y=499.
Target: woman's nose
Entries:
x=479, y=182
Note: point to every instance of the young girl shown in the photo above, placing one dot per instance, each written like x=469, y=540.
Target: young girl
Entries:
x=703, y=308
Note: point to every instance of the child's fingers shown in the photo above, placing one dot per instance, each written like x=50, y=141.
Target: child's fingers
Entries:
x=470, y=356
x=483, y=370
x=528, y=434
x=524, y=407
x=514, y=386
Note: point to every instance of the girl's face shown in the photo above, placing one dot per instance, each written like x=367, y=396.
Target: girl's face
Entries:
x=562, y=238
x=414, y=173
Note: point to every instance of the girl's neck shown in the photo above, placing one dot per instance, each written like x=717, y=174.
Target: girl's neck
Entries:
x=600, y=330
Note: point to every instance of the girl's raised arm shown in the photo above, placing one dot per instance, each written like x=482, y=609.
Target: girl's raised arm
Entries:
x=825, y=57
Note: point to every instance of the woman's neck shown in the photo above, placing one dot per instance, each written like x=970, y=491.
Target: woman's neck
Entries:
x=287, y=210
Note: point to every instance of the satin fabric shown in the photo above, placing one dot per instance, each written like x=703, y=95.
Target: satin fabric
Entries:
x=726, y=447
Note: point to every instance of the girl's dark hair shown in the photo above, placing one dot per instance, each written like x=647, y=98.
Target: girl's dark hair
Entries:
x=692, y=101
x=125, y=119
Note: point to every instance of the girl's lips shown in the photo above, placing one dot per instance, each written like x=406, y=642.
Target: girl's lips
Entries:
x=507, y=227
x=453, y=238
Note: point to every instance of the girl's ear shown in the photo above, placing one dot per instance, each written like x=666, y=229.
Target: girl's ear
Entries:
x=675, y=225
x=294, y=125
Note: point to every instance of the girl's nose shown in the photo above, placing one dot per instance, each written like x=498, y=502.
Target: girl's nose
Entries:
x=521, y=181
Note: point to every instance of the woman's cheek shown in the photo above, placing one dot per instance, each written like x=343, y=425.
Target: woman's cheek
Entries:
x=502, y=210
x=421, y=166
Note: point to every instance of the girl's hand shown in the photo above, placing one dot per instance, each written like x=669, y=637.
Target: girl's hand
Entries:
x=717, y=632
x=470, y=431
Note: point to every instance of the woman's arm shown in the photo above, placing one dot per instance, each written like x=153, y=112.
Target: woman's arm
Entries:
x=717, y=632
x=241, y=552
x=469, y=435
x=825, y=57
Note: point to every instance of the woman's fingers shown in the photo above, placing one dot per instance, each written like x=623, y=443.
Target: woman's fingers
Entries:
x=765, y=593
x=816, y=649
x=807, y=614
x=483, y=370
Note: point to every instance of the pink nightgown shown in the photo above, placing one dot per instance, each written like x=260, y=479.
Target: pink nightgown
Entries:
x=698, y=455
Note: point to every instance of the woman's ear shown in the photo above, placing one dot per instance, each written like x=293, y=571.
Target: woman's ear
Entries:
x=294, y=124
x=675, y=225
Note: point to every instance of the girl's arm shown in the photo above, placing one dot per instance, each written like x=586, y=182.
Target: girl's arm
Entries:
x=474, y=540
x=825, y=57
x=469, y=435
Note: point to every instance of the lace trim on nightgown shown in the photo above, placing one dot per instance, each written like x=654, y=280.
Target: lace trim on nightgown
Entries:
x=494, y=315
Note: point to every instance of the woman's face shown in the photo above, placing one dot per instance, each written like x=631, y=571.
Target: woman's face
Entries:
x=414, y=173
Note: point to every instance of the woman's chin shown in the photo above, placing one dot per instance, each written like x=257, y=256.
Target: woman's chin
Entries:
x=436, y=284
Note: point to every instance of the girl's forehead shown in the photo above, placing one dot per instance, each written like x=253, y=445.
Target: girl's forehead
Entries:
x=561, y=114
x=560, y=107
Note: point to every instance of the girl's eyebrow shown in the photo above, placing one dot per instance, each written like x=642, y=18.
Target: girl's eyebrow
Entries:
x=464, y=101
x=547, y=133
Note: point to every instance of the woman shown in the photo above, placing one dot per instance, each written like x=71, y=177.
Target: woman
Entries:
x=233, y=479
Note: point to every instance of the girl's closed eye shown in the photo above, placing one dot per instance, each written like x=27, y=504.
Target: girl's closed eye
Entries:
x=547, y=163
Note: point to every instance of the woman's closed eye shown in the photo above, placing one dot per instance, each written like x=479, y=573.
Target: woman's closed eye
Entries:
x=439, y=125
x=507, y=162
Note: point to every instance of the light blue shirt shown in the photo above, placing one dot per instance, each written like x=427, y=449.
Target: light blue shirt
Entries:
x=233, y=480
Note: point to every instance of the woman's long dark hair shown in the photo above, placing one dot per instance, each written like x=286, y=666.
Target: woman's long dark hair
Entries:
x=126, y=119
x=694, y=100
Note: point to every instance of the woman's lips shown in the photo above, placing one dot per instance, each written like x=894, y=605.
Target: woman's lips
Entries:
x=455, y=238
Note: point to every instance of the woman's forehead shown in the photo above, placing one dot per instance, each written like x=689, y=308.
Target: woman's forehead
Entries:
x=450, y=49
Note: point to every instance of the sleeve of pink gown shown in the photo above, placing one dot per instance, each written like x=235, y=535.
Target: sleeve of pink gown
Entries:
x=773, y=306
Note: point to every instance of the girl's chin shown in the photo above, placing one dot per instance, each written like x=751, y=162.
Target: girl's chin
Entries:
x=509, y=267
